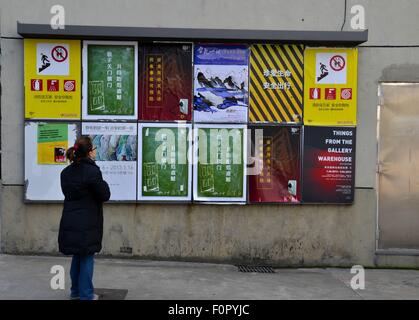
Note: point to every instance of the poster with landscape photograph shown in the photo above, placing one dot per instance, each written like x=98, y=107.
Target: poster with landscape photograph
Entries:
x=221, y=90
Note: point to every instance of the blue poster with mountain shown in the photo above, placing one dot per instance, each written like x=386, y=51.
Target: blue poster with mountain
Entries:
x=221, y=91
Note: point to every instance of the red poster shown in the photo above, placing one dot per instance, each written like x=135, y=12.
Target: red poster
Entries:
x=274, y=175
x=165, y=82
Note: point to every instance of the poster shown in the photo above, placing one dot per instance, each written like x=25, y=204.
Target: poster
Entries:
x=276, y=83
x=329, y=164
x=275, y=162
x=165, y=166
x=220, y=156
x=116, y=155
x=110, y=80
x=165, y=82
x=45, y=146
x=330, y=86
x=52, y=143
x=52, y=78
x=221, y=91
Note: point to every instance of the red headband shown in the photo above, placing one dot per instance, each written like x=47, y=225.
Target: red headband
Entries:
x=76, y=146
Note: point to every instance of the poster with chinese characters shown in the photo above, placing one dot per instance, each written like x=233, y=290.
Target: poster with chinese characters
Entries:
x=221, y=91
x=45, y=146
x=165, y=82
x=330, y=86
x=220, y=158
x=165, y=166
x=276, y=83
x=116, y=155
x=52, y=78
x=329, y=164
x=52, y=143
x=110, y=76
x=275, y=163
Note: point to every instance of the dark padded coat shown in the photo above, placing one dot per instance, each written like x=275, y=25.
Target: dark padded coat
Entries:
x=81, y=225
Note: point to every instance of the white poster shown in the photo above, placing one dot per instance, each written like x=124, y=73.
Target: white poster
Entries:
x=331, y=68
x=44, y=161
x=116, y=155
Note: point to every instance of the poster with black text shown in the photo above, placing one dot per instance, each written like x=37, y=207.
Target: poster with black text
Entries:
x=165, y=82
x=116, y=156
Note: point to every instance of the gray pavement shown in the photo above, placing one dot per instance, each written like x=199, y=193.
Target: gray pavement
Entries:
x=28, y=278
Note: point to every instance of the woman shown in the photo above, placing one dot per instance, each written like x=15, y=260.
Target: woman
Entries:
x=81, y=225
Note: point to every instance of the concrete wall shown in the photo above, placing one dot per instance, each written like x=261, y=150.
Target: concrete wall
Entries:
x=279, y=234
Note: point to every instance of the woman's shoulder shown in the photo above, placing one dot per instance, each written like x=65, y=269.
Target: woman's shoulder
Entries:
x=68, y=172
x=88, y=161
x=90, y=167
x=78, y=165
x=67, y=168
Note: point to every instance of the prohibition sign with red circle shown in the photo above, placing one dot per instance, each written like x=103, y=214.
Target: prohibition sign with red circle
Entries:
x=337, y=63
x=59, y=53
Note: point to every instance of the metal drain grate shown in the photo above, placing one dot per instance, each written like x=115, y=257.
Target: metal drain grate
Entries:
x=258, y=269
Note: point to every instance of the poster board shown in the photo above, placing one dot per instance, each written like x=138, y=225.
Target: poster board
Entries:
x=116, y=156
x=52, y=79
x=330, y=86
x=276, y=83
x=165, y=82
x=45, y=147
x=165, y=162
x=329, y=164
x=274, y=171
x=221, y=91
x=110, y=80
x=220, y=159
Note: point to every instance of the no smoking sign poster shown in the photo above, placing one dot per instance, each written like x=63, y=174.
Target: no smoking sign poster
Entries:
x=330, y=86
x=52, y=59
x=331, y=68
x=52, y=79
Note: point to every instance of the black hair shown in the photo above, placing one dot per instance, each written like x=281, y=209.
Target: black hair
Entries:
x=80, y=150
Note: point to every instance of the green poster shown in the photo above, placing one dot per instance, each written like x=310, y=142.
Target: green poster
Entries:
x=52, y=143
x=165, y=171
x=52, y=132
x=111, y=80
x=220, y=173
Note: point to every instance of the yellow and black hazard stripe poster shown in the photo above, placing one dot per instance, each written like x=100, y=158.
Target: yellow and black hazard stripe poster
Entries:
x=276, y=83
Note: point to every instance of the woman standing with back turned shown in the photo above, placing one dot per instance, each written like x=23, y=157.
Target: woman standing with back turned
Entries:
x=81, y=225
